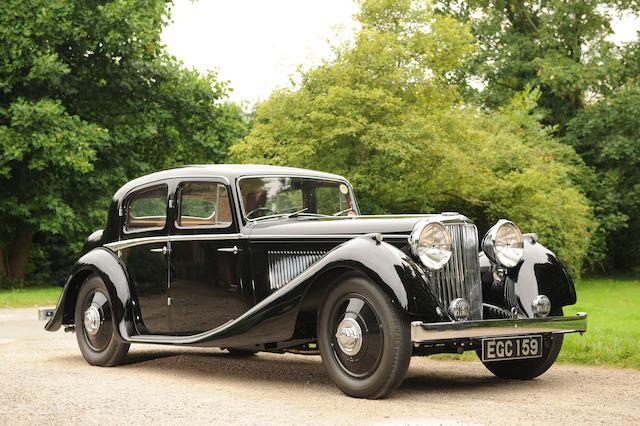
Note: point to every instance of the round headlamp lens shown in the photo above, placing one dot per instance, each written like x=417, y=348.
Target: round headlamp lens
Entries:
x=431, y=243
x=504, y=244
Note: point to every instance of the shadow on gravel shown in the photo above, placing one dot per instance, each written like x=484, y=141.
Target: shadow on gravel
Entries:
x=268, y=368
x=289, y=369
x=299, y=369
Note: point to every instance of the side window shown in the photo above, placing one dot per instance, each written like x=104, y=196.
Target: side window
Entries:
x=147, y=209
x=204, y=204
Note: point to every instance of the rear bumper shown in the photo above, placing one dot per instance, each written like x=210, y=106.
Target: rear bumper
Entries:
x=442, y=331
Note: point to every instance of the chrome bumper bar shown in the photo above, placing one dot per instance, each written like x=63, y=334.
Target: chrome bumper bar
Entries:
x=435, y=332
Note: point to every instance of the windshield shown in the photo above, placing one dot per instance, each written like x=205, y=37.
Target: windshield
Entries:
x=277, y=196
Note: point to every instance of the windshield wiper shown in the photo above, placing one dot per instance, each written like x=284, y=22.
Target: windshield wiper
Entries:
x=341, y=212
x=289, y=215
x=294, y=214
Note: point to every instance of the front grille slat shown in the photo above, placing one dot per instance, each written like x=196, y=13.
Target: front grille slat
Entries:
x=460, y=277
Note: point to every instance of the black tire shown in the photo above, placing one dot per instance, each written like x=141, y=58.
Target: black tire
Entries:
x=526, y=369
x=379, y=364
x=242, y=352
x=100, y=347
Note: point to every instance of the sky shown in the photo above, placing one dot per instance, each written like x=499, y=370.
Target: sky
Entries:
x=257, y=45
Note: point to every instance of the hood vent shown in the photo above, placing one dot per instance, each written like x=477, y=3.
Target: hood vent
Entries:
x=285, y=265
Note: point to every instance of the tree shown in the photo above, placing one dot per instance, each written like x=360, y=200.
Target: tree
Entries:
x=557, y=45
x=607, y=136
x=385, y=114
x=88, y=100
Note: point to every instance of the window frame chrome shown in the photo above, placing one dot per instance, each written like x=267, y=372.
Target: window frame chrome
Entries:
x=126, y=200
x=214, y=179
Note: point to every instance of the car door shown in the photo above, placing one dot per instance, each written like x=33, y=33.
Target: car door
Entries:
x=207, y=284
x=147, y=256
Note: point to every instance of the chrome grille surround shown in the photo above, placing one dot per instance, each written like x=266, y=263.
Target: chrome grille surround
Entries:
x=285, y=265
x=460, y=276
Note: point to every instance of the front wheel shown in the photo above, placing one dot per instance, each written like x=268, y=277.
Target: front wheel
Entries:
x=526, y=369
x=364, y=339
x=95, y=328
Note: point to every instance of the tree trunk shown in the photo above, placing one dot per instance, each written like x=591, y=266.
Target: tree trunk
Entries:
x=19, y=254
x=4, y=268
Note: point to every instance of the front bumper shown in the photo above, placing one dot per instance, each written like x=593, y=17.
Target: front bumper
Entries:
x=442, y=331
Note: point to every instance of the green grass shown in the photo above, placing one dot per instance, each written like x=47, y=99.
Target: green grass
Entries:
x=29, y=297
x=613, y=330
x=613, y=325
x=612, y=338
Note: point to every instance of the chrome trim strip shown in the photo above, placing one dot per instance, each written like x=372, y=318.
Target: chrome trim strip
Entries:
x=132, y=242
x=435, y=332
x=320, y=236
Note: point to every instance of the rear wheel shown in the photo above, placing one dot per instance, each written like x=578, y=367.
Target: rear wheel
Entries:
x=364, y=339
x=95, y=328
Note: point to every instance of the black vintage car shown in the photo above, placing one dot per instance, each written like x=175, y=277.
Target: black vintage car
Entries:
x=261, y=258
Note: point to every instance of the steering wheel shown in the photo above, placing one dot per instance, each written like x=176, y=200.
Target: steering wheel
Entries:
x=258, y=210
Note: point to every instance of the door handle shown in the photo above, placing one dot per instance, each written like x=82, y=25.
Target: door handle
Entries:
x=234, y=250
x=163, y=250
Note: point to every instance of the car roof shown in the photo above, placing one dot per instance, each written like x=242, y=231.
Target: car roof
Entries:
x=228, y=171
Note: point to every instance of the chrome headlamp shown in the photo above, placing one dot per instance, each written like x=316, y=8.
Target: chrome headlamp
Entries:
x=431, y=243
x=504, y=244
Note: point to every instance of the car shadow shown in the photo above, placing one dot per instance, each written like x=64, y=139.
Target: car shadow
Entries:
x=290, y=369
x=212, y=364
x=432, y=377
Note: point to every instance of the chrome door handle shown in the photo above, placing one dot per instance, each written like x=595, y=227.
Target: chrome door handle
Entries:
x=234, y=250
x=163, y=250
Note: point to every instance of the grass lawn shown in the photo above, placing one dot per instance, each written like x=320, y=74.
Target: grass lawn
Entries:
x=613, y=327
x=29, y=297
x=612, y=338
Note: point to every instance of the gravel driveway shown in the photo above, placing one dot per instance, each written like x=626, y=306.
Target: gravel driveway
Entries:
x=44, y=379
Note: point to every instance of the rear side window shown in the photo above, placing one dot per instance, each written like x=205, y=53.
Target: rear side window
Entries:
x=204, y=204
x=147, y=209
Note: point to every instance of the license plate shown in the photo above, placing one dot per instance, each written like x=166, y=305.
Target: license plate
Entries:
x=515, y=347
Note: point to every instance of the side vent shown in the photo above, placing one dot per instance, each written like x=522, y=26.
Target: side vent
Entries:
x=285, y=265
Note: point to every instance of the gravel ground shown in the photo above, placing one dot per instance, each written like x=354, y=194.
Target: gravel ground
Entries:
x=44, y=379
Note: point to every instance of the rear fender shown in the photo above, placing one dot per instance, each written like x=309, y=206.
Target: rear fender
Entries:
x=110, y=268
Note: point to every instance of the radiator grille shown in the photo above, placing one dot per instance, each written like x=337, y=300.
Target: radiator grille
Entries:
x=460, y=277
x=285, y=265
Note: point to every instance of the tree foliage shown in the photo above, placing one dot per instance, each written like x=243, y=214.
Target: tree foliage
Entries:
x=557, y=45
x=385, y=113
x=88, y=100
x=607, y=136
x=564, y=49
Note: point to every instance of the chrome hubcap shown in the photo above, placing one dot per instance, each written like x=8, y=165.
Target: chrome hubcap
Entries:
x=349, y=336
x=92, y=320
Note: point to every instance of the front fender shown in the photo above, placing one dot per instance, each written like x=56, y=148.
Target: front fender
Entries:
x=539, y=272
x=110, y=268
x=391, y=269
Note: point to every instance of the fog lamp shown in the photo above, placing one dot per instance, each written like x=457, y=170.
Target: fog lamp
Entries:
x=541, y=306
x=459, y=309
